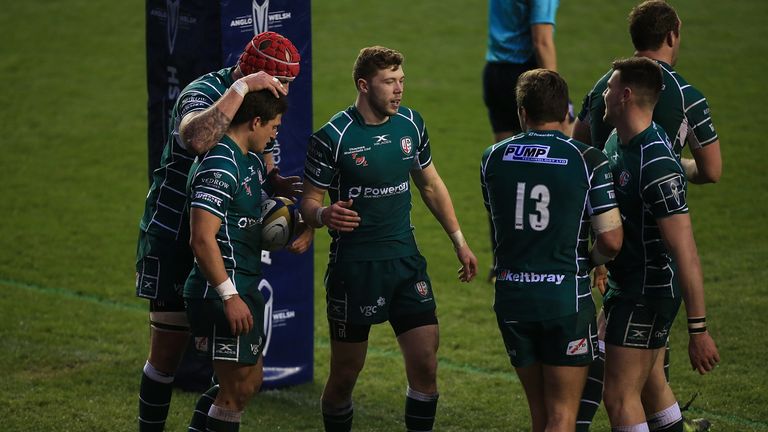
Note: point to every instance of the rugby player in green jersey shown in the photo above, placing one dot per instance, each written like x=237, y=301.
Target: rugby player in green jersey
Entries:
x=224, y=305
x=658, y=265
x=199, y=118
x=545, y=192
x=683, y=113
x=682, y=110
x=364, y=157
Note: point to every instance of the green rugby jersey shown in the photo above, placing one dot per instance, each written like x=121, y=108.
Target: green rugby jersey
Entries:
x=227, y=183
x=370, y=164
x=682, y=111
x=541, y=187
x=650, y=184
x=164, y=210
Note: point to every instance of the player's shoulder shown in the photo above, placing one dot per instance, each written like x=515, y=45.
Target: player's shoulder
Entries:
x=410, y=115
x=333, y=130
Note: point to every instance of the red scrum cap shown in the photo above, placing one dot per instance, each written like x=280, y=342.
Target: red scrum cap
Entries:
x=272, y=53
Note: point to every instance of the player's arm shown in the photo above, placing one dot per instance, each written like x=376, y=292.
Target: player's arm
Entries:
x=678, y=237
x=542, y=36
x=581, y=131
x=706, y=165
x=608, y=238
x=337, y=216
x=438, y=200
x=204, y=225
x=201, y=130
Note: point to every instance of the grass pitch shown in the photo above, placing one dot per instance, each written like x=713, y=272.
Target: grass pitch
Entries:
x=73, y=338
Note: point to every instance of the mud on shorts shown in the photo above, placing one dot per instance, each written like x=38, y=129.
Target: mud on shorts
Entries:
x=362, y=293
x=638, y=321
x=566, y=341
x=212, y=336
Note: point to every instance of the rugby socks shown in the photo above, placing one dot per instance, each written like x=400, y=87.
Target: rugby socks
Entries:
x=420, y=410
x=200, y=416
x=154, y=399
x=666, y=362
x=642, y=427
x=593, y=391
x=338, y=419
x=223, y=420
x=668, y=420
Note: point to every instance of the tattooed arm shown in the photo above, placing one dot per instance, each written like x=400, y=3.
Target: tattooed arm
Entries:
x=201, y=130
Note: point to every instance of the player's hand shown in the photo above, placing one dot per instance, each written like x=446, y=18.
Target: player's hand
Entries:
x=339, y=217
x=264, y=81
x=600, y=278
x=703, y=352
x=289, y=187
x=303, y=240
x=468, y=262
x=238, y=315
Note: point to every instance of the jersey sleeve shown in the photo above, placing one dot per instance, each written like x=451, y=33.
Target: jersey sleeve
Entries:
x=320, y=165
x=423, y=151
x=483, y=185
x=214, y=183
x=602, y=196
x=701, y=131
x=663, y=185
x=543, y=11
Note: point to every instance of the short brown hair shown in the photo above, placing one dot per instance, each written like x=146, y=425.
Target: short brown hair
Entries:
x=371, y=60
x=544, y=95
x=262, y=104
x=643, y=76
x=650, y=22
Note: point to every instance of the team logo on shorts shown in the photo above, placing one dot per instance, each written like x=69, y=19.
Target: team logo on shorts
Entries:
x=422, y=288
x=624, y=178
x=201, y=343
x=577, y=347
x=406, y=144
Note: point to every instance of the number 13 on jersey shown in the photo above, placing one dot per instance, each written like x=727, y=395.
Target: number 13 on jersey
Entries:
x=539, y=220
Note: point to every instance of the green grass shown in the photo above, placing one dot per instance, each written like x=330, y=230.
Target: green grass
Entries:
x=73, y=338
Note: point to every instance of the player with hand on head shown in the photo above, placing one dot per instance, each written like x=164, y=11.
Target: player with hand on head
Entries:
x=545, y=193
x=224, y=305
x=364, y=156
x=658, y=265
x=200, y=117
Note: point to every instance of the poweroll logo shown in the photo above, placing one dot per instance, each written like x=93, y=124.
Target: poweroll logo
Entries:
x=378, y=192
x=528, y=277
x=531, y=153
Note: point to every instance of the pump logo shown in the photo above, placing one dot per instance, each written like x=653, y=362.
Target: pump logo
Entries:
x=531, y=153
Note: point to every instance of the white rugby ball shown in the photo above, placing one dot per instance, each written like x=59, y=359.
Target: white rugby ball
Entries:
x=277, y=223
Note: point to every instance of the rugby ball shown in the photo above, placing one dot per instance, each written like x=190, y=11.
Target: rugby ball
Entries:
x=277, y=222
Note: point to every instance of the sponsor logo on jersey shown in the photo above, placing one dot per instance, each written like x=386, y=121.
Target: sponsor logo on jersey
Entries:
x=381, y=139
x=378, y=192
x=531, y=153
x=528, y=277
x=577, y=347
x=406, y=144
x=422, y=288
x=369, y=310
x=624, y=178
x=359, y=160
x=215, y=182
x=381, y=301
x=207, y=197
x=673, y=192
x=247, y=223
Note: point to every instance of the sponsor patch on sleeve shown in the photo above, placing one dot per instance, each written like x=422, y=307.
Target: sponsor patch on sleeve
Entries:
x=673, y=193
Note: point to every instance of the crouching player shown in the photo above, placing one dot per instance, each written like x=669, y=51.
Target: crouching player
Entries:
x=224, y=306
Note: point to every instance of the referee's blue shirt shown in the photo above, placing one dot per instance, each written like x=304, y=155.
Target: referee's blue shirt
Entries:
x=509, y=27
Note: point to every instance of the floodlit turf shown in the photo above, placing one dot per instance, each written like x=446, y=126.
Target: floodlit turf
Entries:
x=73, y=178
